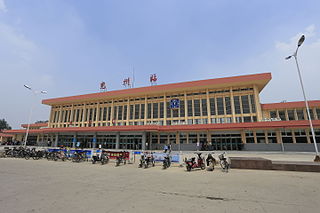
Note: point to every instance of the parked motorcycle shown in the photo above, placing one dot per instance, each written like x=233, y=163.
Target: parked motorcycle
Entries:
x=120, y=159
x=211, y=162
x=149, y=160
x=166, y=162
x=103, y=158
x=224, y=163
x=193, y=163
x=79, y=157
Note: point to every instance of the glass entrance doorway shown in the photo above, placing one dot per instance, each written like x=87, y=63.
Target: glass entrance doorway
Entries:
x=226, y=141
x=85, y=141
x=130, y=142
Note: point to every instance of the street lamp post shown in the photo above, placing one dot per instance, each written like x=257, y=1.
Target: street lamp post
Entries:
x=295, y=55
x=31, y=110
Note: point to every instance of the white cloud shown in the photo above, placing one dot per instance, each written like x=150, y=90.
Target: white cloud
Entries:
x=3, y=7
x=285, y=82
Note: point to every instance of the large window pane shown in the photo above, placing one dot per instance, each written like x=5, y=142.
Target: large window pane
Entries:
x=253, y=105
x=131, y=112
x=120, y=113
x=212, y=106
x=228, y=105
x=282, y=115
x=237, y=107
x=300, y=114
x=204, y=107
x=161, y=109
x=155, y=110
x=136, y=111
x=149, y=111
x=220, y=106
x=168, y=110
x=182, y=112
x=142, y=111
x=125, y=112
x=291, y=115
x=190, y=112
x=245, y=104
x=196, y=107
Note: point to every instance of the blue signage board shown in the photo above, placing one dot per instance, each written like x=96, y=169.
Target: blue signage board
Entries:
x=174, y=103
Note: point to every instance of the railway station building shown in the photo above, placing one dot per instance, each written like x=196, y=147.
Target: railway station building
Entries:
x=216, y=114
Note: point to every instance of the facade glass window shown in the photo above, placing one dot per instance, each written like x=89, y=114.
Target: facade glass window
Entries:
x=272, y=137
x=131, y=112
x=318, y=113
x=282, y=115
x=190, y=111
x=220, y=106
x=142, y=111
x=125, y=107
x=136, y=111
x=246, y=119
x=114, y=113
x=161, y=109
x=237, y=107
x=260, y=136
x=120, y=108
x=168, y=110
x=149, y=110
x=300, y=114
x=253, y=104
x=238, y=119
x=245, y=104
x=196, y=107
x=213, y=120
x=301, y=136
x=109, y=113
x=249, y=137
x=273, y=114
x=311, y=114
x=291, y=115
x=155, y=110
x=212, y=106
x=182, y=111
x=287, y=136
x=204, y=107
x=228, y=105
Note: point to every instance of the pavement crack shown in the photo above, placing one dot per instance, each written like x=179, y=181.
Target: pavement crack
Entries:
x=196, y=196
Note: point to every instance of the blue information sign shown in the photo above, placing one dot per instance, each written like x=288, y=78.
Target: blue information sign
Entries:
x=174, y=103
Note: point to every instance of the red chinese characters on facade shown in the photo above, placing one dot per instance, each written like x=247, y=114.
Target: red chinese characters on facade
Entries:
x=153, y=79
x=103, y=86
x=126, y=82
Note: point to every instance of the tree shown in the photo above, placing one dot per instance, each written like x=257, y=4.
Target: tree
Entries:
x=4, y=124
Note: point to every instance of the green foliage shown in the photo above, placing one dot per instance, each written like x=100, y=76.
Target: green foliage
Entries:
x=4, y=124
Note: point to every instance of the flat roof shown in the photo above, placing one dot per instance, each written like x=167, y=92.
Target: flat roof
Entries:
x=287, y=105
x=256, y=79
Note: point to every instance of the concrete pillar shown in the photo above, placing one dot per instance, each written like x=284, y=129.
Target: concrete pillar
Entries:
x=243, y=137
x=144, y=137
x=117, y=140
x=55, y=144
x=257, y=103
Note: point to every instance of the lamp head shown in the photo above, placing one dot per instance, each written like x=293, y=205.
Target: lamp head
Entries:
x=287, y=58
x=44, y=92
x=26, y=86
x=301, y=40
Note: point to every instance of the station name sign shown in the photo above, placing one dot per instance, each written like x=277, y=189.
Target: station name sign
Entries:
x=270, y=119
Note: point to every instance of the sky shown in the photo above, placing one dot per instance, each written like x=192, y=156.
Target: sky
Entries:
x=67, y=47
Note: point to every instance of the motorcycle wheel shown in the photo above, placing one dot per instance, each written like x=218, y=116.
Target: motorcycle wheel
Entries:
x=124, y=162
x=188, y=168
x=145, y=165
x=27, y=157
x=202, y=167
x=94, y=162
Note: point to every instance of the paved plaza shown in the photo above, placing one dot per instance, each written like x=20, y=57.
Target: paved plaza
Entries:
x=47, y=186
